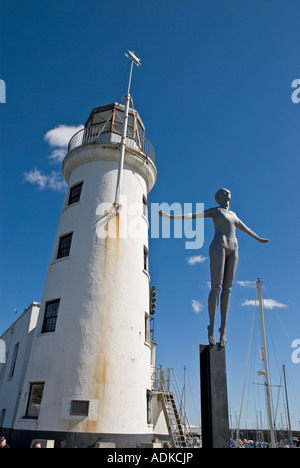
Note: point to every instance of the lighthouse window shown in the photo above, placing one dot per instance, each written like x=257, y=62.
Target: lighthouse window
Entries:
x=145, y=207
x=79, y=408
x=119, y=120
x=145, y=258
x=64, y=245
x=75, y=193
x=51, y=312
x=35, y=400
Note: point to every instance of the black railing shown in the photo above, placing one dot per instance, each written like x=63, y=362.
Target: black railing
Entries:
x=105, y=133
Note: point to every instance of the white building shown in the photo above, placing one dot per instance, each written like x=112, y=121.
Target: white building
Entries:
x=88, y=377
x=16, y=344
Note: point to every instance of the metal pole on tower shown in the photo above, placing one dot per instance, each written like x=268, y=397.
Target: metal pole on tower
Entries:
x=136, y=60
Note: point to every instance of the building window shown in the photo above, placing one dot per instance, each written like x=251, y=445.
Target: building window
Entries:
x=145, y=258
x=64, y=245
x=75, y=193
x=51, y=312
x=35, y=400
x=79, y=408
x=14, y=360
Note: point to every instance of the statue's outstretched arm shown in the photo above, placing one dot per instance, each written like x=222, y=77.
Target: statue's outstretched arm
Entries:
x=249, y=231
x=200, y=214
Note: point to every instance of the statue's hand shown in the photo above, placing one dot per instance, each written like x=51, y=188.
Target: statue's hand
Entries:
x=263, y=241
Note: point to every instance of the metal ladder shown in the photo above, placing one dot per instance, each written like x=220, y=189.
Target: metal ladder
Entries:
x=165, y=386
x=174, y=424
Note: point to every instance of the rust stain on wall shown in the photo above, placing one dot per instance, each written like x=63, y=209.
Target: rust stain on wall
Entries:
x=103, y=365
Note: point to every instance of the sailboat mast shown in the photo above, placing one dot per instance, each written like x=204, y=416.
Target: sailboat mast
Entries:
x=184, y=422
x=265, y=359
x=287, y=406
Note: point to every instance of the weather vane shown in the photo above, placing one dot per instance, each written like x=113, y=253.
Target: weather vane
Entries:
x=133, y=59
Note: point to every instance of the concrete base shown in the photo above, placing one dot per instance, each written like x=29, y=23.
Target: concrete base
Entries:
x=105, y=445
x=23, y=439
x=214, y=400
x=153, y=445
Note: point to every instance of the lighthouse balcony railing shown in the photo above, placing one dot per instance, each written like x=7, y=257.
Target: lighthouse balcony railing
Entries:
x=108, y=134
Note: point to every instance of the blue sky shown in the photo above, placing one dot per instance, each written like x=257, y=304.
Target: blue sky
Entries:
x=214, y=91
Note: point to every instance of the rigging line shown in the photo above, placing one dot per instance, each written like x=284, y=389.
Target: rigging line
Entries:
x=268, y=337
x=251, y=373
x=278, y=367
x=278, y=317
x=283, y=326
x=195, y=405
x=255, y=346
x=275, y=415
x=292, y=391
x=249, y=348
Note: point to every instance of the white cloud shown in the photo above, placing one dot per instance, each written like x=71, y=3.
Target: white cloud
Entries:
x=61, y=135
x=58, y=137
x=35, y=177
x=196, y=306
x=54, y=181
x=57, y=155
x=246, y=284
x=268, y=304
x=196, y=259
x=205, y=285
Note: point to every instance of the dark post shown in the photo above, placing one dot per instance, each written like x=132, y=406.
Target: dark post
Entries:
x=214, y=400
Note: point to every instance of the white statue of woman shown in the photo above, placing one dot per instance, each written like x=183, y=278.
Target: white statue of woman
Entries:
x=223, y=253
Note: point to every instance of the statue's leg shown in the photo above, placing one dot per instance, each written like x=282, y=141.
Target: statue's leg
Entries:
x=229, y=273
x=217, y=264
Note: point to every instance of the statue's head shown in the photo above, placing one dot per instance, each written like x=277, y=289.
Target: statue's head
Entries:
x=222, y=195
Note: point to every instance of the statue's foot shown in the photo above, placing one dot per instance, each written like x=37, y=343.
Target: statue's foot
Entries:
x=211, y=337
x=212, y=340
x=223, y=340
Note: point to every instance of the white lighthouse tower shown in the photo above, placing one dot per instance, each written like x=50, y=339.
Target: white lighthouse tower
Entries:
x=89, y=374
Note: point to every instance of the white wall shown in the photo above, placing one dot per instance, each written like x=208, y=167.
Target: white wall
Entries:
x=21, y=332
